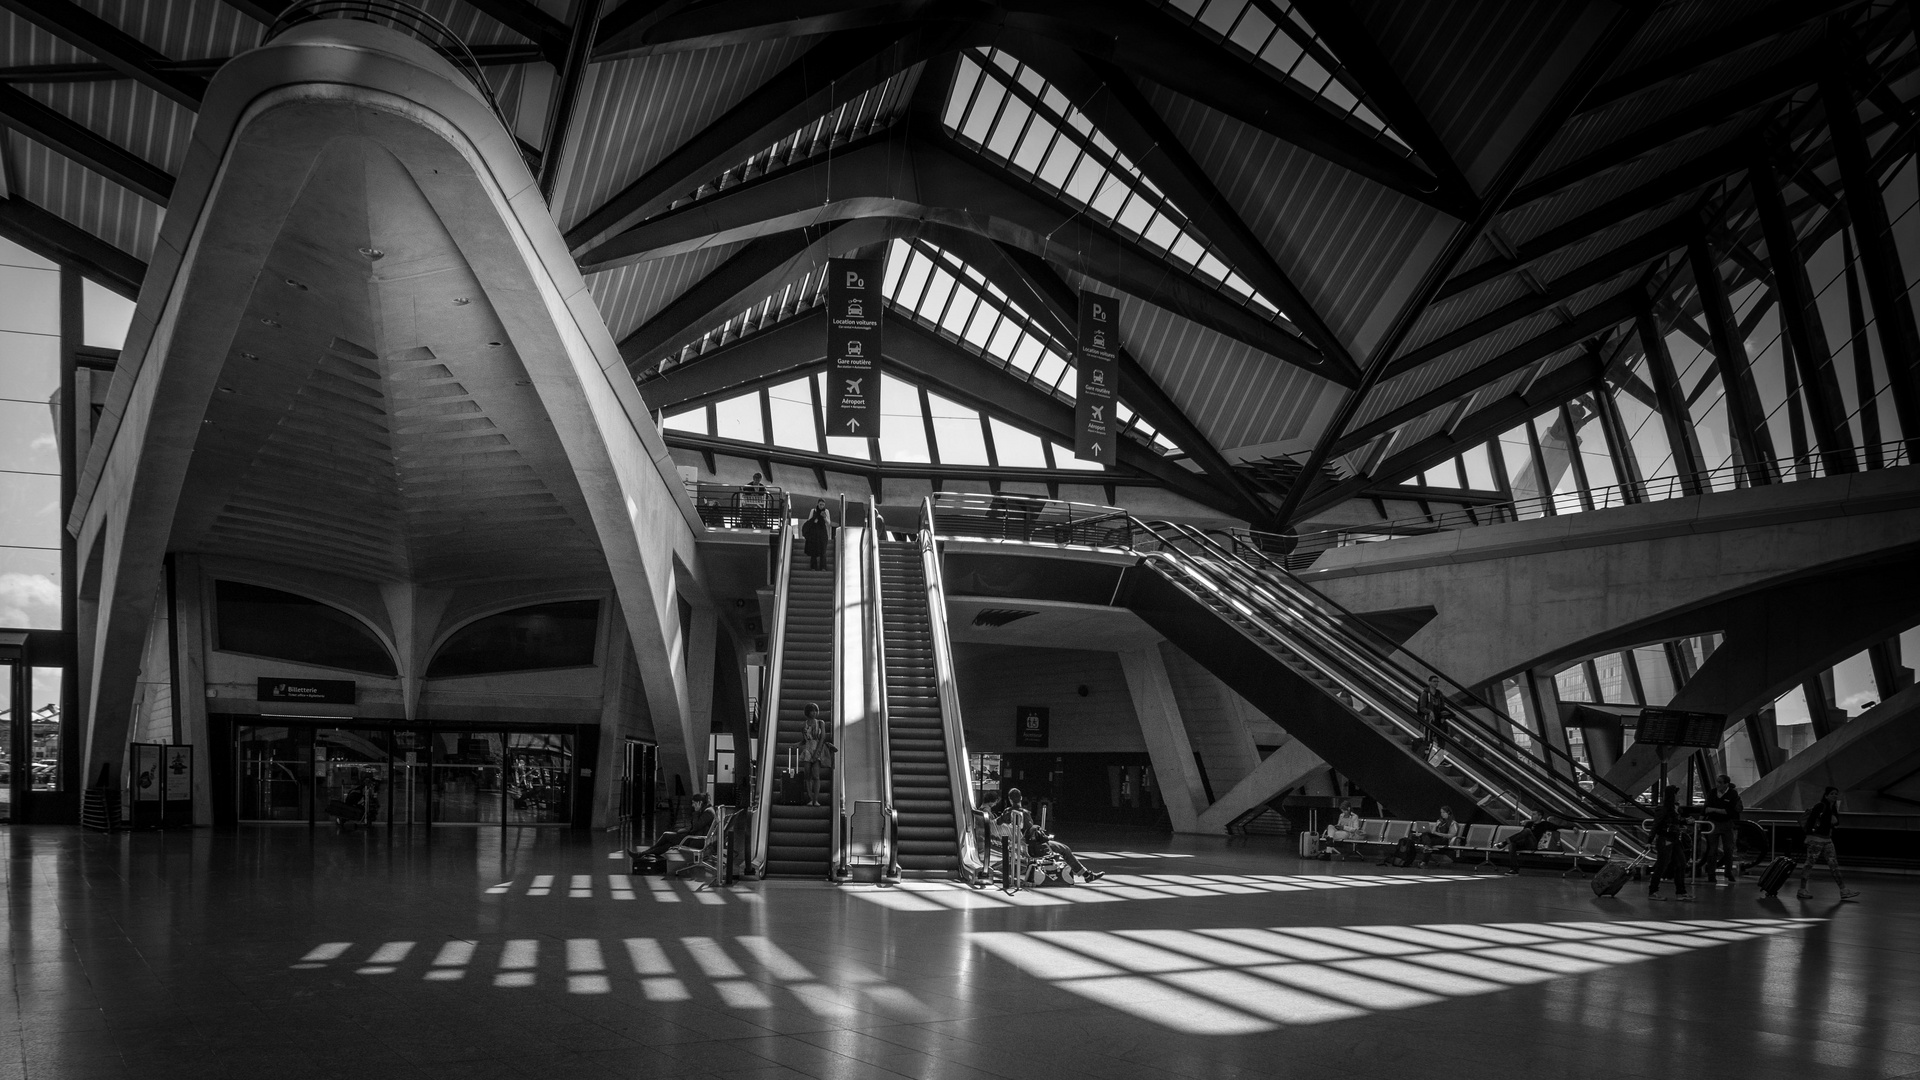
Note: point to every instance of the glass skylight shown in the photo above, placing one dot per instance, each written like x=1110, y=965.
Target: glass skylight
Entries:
x=1274, y=32
x=1008, y=112
x=807, y=293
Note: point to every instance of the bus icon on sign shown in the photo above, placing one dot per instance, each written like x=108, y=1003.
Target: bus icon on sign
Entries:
x=855, y=348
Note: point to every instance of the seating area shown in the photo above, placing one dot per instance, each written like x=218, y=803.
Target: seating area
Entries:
x=1574, y=851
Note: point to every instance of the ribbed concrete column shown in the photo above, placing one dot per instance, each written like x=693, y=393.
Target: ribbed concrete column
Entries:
x=1165, y=733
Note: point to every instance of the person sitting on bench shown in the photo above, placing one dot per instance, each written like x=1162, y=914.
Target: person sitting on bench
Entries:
x=1529, y=838
x=702, y=825
x=1438, y=837
x=1039, y=841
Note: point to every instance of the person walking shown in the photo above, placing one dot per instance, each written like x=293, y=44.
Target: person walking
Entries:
x=1669, y=858
x=817, y=530
x=1723, y=809
x=1821, y=821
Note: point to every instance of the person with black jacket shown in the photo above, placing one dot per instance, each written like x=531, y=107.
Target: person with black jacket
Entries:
x=1723, y=809
x=816, y=532
x=702, y=825
x=1433, y=714
x=1669, y=855
x=1529, y=838
x=1821, y=821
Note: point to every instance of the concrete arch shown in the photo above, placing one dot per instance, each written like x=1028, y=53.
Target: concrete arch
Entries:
x=268, y=117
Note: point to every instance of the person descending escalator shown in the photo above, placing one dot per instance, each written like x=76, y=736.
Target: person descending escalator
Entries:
x=815, y=532
x=1433, y=718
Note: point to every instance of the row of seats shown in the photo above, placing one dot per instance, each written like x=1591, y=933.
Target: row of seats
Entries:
x=1576, y=845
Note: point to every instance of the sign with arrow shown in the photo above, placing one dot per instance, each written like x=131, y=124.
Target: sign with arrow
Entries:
x=853, y=347
x=1096, y=430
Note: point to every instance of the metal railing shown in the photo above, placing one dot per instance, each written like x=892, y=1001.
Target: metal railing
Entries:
x=770, y=704
x=400, y=16
x=1030, y=519
x=877, y=637
x=739, y=506
x=1300, y=552
x=959, y=765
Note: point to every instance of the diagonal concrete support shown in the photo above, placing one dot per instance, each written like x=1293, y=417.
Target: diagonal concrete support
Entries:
x=1284, y=768
x=1867, y=752
x=1165, y=733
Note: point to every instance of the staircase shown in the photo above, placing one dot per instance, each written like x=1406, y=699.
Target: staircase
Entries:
x=800, y=838
x=922, y=793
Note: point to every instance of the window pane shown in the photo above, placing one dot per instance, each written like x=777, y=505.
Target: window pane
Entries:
x=1556, y=453
x=793, y=415
x=739, y=418
x=1063, y=459
x=29, y=300
x=693, y=421
x=1571, y=684
x=1792, y=725
x=1612, y=670
x=1517, y=452
x=30, y=510
x=260, y=621
x=26, y=438
x=106, y=316
x=29, y=367
x=842, y=446
x=1017, y=449
x=1853, y=687
x=1480, y=469
x=1656, y=675
x=526, y=639
x=30, y=588
x=1594, y=455
x=956, y=431
x=903, y=435
x=1648, y=437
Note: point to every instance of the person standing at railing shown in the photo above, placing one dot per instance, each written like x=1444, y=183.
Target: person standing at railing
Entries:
x=817, y=530
x=1723, y=809
x=753, y=504
x=1433, y=716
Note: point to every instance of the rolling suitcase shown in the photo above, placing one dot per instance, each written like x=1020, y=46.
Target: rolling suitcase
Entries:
x=1610, y=879
x=1309, y=846
x=1776, y=875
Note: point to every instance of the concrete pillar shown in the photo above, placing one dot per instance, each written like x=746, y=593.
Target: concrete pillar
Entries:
x=191, y=627
x=1165, y=733
x=698, y=657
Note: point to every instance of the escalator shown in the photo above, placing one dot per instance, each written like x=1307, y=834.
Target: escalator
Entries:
x=1349, y=692
x=798, y=839
x=929, y=834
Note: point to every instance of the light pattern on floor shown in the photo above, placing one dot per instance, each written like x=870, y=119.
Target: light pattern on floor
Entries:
x=1241, y=981
x=952, y=896
x=660, y=890
x=745, y=972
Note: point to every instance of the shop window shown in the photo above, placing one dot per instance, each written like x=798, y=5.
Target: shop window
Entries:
x=534, y=638
x=266, y=622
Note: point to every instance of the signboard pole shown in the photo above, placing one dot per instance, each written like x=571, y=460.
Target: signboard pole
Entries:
x=1096, y=430
x=853, y=347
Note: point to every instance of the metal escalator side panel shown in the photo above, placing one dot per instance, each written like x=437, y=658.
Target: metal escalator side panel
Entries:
x=857, y=724
x=959, y=764
x=770, y=702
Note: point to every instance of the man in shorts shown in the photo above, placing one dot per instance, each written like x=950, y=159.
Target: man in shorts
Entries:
x=1821, y=821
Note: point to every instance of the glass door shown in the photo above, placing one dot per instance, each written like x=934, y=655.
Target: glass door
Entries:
x=467, y=787
x=7, y=754
x=275, y=774
x=346, y=760
x=539, y=778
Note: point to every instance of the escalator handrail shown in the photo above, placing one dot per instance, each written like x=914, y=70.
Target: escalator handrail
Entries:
x=1182, y=573
x=840, y=815
x=1379, y=639
x=1498, y=755
x=959, y=765
x=1550, y=787
x=770, y=700
x=877, y=664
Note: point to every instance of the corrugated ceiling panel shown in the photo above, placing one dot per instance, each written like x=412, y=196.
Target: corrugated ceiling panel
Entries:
x=630, y=295
x=638, y=110
x=1467, y=62
x=181, y=29
x=1456, y=311
x=83, y=197
x=1527, y=222
x=1341, y=238
x=23, y=43
x=1235, y=394
x=154, y=128
x=1674, y=26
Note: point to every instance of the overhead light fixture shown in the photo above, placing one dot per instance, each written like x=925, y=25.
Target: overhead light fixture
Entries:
x=269, y=322
x=373, y=253
x=244, y=355
x=296, y=285
x=461, y=301
x=226, y=390
x=493, y=344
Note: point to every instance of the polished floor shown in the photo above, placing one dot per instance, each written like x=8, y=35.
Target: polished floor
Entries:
x=283, y=952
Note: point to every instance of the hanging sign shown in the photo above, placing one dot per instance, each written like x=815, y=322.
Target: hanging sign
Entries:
x=853, y=347
x=1030, y=726
x=1096, y=431
x=314, y=691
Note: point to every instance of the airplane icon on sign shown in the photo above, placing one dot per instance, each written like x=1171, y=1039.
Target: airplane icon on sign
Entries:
x=853, y=385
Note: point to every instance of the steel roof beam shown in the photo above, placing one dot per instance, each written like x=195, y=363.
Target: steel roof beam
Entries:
x=898, y=470
x=1123, y=114
x=571, y=74
x=68, y=244
x=54, y=130
x=1633, y=253
x=1601, y=317
x=830, y=74
x=1755, y=28
x=1711, y=111
x=550, y=34
x=90, y=33
x=1612, y=33
x=263, y=12
x=1572, y=379
x=929, y=180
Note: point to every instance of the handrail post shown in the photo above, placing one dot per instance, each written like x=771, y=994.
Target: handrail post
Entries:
x=959, y=764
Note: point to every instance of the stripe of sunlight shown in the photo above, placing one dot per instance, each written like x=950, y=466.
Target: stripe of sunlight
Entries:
x=1491, y=934
x=662, y=891
x=1135, y=956
x=622, y=886
x=1264, y=998
x=657, y=979
x=449, y=964
x=1588, y=950
x=1341, y=937
x=384, y=959
x=1527, y=957
x=1291, y=948
x=1555, y=931
x=586, y=968
x=1480, y=966
x=797, y=979
x=729, y=979
x=1041, y=959
x=496, y=890
x=1416, y=935
x=581, y=887
x=1347, y=986
x=320, y=955
x=900, y=901
x=1414, y=977
x=1201, y=947
x=542, y=885
x=1151, y=999
x=517, y=960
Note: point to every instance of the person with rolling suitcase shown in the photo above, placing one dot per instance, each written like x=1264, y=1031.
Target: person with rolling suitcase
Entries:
x=1775, y=876
x=1669, y=860
x=1821, y=821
